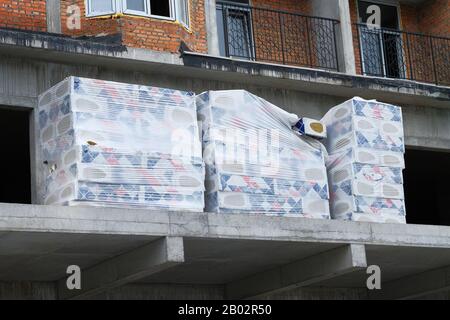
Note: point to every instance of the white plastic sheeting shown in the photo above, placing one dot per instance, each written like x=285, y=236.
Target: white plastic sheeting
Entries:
x=366, y=147
x=114, y=144
x=255, y=162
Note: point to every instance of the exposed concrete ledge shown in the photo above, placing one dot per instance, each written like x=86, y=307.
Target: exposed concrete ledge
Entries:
x=251, y=255
x=329, y=82
x=50, y=46
x=58, y=48
x=86, y=220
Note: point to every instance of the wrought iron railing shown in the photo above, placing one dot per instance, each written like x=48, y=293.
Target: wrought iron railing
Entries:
x=404, y=55
x=262, y=34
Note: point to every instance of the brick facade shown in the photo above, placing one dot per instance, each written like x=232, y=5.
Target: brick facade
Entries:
x=353, y=4
x=408, y=18
x=278, y=37
x=282, y=37
x=28, y=15
x=144, y=32
x=299, y=6
x=432, y=17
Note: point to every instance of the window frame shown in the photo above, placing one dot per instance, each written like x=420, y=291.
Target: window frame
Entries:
x=120, y=6
x=172, y=11
x=145, y=13
x=90, y=13
x=178, y=4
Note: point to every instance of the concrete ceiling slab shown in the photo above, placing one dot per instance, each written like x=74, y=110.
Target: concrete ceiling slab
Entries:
x=223, y=261
x=42, y=256
x=395, y=263
x=49, y=267
x=218, y=248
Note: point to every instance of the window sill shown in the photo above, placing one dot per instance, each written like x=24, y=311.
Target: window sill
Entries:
x=135, y=15
x=130, y=14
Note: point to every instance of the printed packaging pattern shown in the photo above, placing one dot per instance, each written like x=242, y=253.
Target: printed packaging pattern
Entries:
x=366, y=157
x=114, y=144
x=255, y=162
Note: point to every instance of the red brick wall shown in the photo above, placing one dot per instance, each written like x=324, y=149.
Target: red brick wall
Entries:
x=275, y=34
x=434, y=17
x=301, y=6
x=164, y=35
x=144, y=32
x=29, y=15
x=89, y=26
x=354, y=19
x=408, y=18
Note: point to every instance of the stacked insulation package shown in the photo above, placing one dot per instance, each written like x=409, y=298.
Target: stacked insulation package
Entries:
x=114, y=144
x=366, y=147
x=255, y=162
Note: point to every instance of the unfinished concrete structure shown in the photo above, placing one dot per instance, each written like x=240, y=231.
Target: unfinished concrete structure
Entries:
x=137, y=254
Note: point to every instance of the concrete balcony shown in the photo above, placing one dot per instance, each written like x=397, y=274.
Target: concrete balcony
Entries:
x=249, y=256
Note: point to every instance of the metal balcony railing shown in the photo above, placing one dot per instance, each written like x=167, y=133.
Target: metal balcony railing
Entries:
x=404, y=55
x=261, y=34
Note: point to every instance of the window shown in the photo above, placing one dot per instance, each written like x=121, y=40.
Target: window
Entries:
x=382, y=49
x=235, y=29
x=183, y=11
x=139, y=7
x=100, y=7
x=161, y=8
x=166, y=9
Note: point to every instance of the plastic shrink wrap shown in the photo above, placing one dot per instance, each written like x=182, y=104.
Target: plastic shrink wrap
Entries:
x=255, y=162
x=366, y=147
x=114, y=144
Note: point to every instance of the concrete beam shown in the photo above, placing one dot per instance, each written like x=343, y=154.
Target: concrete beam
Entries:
x=129, y=267
x=414, y=286
x=54, y=16
x=119, y=221
x=324, y=266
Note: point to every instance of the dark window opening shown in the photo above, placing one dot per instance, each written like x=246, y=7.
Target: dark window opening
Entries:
x=160, y=8
x=15, y=184
x=427, y=187
x=235, y=29
x=382, y=49
x=389, y=14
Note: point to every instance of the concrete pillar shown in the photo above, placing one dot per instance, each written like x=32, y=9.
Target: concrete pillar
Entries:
x=211, y=27
x=339, y=10
x=53, y=16
x=346, y=32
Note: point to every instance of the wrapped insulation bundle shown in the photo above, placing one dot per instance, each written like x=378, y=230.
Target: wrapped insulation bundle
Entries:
x=255, y=162
x=114, y=144
x=366, y=158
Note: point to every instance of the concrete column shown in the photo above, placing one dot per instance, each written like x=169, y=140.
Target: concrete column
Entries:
x=53, y=16
x=211, y=27
x=346, y=32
